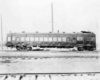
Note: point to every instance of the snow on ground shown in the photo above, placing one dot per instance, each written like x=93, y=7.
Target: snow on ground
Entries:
x=53, y=65
x=49, y=53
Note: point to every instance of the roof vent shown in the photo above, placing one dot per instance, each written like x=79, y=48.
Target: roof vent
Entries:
x=63, y=32
x=85, y=31
x=23, y=31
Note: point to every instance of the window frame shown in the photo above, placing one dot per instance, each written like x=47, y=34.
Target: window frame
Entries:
x=22, y=38
x=9, y=39
x=55, y=39
x=59, y=39
x=50, y=39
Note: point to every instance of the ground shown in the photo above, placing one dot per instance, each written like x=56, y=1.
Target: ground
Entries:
x=61, y=61
x=49, y=65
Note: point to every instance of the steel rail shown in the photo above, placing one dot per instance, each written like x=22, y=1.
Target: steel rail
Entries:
x=35, y=57
x=67, y=73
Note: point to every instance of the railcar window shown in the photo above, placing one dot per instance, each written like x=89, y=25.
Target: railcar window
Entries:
x=64, y=39
x=36, y=38
x=68, y=39
x=92, y=38
x=88, y=38
x=22, y=38
x=41, y=38
x=31, y=38
x=27, y=38
x=9, y=38
x=13, y=38
x=79, y=38
x=50, y=38
x=54, y=38
x=45, y=38
x=80, y=42
x=59, y=38
x=17, y=39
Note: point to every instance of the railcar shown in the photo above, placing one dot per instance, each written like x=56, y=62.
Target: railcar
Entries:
x=26, y=41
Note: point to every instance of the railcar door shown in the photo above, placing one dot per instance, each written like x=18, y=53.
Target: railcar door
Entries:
x=9, y=41
x=90, y=43
x=80, y=43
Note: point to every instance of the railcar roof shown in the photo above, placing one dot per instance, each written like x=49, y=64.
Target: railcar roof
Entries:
x=50, y=33
x=40, y=33
x=90, y=34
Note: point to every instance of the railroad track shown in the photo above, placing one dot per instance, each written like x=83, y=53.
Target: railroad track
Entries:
x=51, y=76
x=45, y=57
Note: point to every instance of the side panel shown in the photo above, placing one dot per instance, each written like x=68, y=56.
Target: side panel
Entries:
x=86, y=40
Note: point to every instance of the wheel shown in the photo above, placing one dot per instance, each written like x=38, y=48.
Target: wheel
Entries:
x=18, y=48
x=29, y=48
x=92, y=49
x=80, y=48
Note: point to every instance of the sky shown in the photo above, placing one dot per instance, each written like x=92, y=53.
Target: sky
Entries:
x=35, y=15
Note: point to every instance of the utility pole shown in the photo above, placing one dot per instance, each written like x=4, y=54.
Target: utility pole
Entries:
x=52, y=16
x=1, y=34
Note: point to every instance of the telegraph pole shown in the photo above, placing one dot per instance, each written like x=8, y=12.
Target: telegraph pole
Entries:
x=52, y=16
x=1, y=34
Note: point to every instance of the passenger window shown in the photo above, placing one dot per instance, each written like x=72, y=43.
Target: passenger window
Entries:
x=59, y=38
x=54, y=38
x=31, y=38
x=50, y=38
x=45, y=38
x=36, y=38
x=88, y=38
x=27, y=38
x=22, y=38
x=64, y=39
x=68, y=39
x=17, y=39
x=9, y=38
x=79, y=38
x=41, y=38
x=92, y=38
x=13, y=38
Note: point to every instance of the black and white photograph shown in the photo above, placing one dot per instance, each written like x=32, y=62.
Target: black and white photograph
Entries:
x=49, y=39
